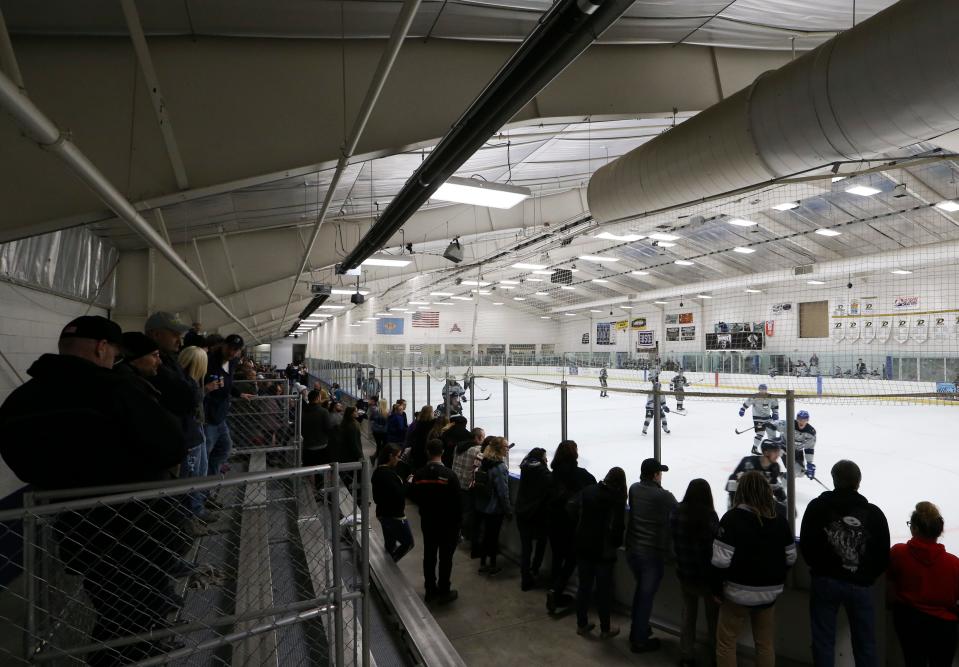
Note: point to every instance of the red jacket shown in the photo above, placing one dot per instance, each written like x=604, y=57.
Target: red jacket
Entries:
x=925, y=576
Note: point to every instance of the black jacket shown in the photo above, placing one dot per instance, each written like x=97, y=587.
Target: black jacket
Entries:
x=567, y=481
x=693, y=531
x=316, y=426
x=177, y=394
x=845, y=537
x=600, y=524
x=217, y=403
x=347, y=443
x=389, y=493
x=532, y=498
x=454, y=436
x=417, y=442
x=436, y=490
x=109, y=430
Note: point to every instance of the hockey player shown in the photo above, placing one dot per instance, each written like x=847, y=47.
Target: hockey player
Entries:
x=663, y=409
x=603, y=375
x=805, y=444
x=453, y=396
x=765, y=412
x=767, y=463
x=655, y=370
x=678, y=384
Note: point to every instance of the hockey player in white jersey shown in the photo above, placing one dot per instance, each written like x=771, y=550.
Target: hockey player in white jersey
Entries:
x=765, y=414
x=805, y=438
x=678, y=384
x=663, y=409
x=603, y=382
x=767, y=463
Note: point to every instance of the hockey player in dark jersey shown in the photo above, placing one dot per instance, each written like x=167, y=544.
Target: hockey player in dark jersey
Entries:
x=767, y=463
x=765, y=413
x=805, y=438
x=603, y=376
x=663, y=409
x=678, y=384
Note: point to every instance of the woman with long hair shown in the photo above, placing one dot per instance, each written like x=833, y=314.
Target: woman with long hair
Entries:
x=193, y=360
x=492, y=504
x=419, y=436
x=694, y=525
x=924, y=580
x=379, y=414
x=754, y=550
x=599, y=513
x=531, y=506
x=396, y=424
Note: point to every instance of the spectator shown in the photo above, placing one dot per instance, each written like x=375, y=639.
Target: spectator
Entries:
x=316, y=429
x=531, y=519
x=694, y=526
x=464, y=463
x=373, y=386
x=924, y=585
x=193, y=361
x=396, y=425
x=845, y=541
x=336, y=392
x=491, y=503
x=419, y=436
x=379, y=414
x=336, y=413
x=141, y=359
x=389, y=494
x=435, y=490
x=568, y=480
x=453, y=436
x=647, y=543
x=752, y=554
x=176, y=393
x=221, y=364
x=194, y=337
x=597, y=512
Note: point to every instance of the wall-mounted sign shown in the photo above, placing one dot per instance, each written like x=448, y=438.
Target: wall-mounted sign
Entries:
x=645, y=340
x=685, y=318
x=906, y=302
x=688, y=333
x=638, y=323
x=585, y=339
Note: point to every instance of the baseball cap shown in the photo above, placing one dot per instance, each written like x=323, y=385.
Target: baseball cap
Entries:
x=93, y=327
x=234, y=341
x=136, y=345
x=164, y=320
x=651, y=467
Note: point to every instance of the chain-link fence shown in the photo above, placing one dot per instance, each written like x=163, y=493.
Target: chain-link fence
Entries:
x=116, y=575
x=269, y=424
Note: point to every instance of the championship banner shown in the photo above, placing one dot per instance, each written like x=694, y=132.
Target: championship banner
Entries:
x=645, y=340
x=939, y=331
x=920, y=329
x=883, y=330
x=605, y=333
x=902, y=329
x=838, y=331
x=852, y=330
x=868, y=331
x=868, y=305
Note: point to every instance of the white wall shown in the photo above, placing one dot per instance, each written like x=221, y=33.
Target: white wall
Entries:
x=30, y=326
x=281, y=352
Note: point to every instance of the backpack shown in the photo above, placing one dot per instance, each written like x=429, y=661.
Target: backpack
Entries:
x=482, y=485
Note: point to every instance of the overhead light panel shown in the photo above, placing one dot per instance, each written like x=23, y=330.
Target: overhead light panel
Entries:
x=535, y=268
x=639, y=273
x=948, y=205
x=328, y=307
x=518, y=298
x=442, y=303
x=571, y=314
x=567, y=287
x=598, y=258
x=507, y=287
x=542, y=293
x=595, y=311
x=534, y=280
x=480, y=283
x=752, y=291
x=662, y=303
x=545, y=317
x=509, y=282
x=462, y=298
x=901, y=272
x=482, y=291
x=815, y=282
x=703, y=296
x=742, y=222
x=497, y=303
x=481, y=193
x=418, y=303
x=399, y=310
x=744, y=251
x=349, y=291
x=539, y=272
x=622, y=238
x=786, y=206
x=836, y=179
x=863, y=190
x=665, y=244
x=658, y=236
x=626, y=307
x=683, y=262
x=441, y=294
x=600, y=280
x=385, y=261
x=383, y=314
x=827, y=232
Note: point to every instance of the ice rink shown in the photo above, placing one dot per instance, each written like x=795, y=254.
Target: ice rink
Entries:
x=906, y=452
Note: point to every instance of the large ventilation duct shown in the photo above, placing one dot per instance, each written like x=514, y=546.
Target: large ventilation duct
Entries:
x=891, y=81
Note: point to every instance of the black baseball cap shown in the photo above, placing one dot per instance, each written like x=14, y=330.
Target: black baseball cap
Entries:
x=95, y=328
x=136, y=345
x=234, y=341
x=651, y=467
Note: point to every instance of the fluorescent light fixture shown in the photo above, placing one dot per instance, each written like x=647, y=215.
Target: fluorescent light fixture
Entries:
x=600, y=280
x=462, y=298
x=509, y=282
x=658, y=236
x=497, y=303
x=419, y=303
x=836, y=179
x=541, y=273
x=507, y=287
x=481, y=283
x=827, y=232
x=598, y=258
x=567, y=287
x=399, y=310
x=353, y=325
x=626, y=307
x=481, y=193
x=542, y=293
x=815, y=282
x=744, y=251
x=518, y=298
x=741, y=222
x=571, y=314
x=753, y=291
x=382, y=314
x=535, y=268
x=545, y=317
x=441, y=294
x=624, y=238
x=683, y=262
x=786, y=206
x=901, y=272
x=662, y=303
x=480, y=291
x=595, y=311
x=703, y=296
x=534, y=280
x=863, y=190
x=442, y=303
x=948, y=205
x=384, y=261
x=640, y=273
x=422, y=308
x=665, y=244
x=327, y=307
x=373, y=319
x=349, y=291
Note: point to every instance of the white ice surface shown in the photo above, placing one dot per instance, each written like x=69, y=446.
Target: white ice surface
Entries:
x=907, y=453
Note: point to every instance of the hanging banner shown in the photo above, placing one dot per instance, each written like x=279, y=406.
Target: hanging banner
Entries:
x=685, y=318
x=622, y=325
x=838, y=331
x=605, y=334
x=854, y=307
x=939, y=331
x=672, y=319
x=883, y=330
x=390, y=326
x=868, y=305
x=902, y=329
x=688, y=333
x=585, y=339
x=868, y=331
x=638, y=323
x=906, y=303
x=920, y=329
x=672, y=333
x=839, y=309
x=770, y=328
x=852, y=330
x=645, y=340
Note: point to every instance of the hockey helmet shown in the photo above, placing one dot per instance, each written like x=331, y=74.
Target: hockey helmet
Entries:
x=771, y=443
x=763, y=387
x=802, y=414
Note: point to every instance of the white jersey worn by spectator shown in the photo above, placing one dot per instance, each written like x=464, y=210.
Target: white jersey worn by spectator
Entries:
x=765, y=413
x=663, y=409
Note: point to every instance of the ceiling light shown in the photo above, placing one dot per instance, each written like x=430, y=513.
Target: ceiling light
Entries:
x=567, y=287
x=827, y=232
x=353, y=325
x=383, y=314
x=683, y=262
x=626, y=307
x=640, y=273
x=863, y=191
x=598, y=258
x=518, y=298
x=753, y=291
x=815, y=282
x=442, y=303
x=786, y=206
x=625, y=238
x=497, y=303
x=481, y=291
x=373, y=318
x=571, y=314
x=535, y=268
x=595, y=311
x=744, y=251
x=441, y=294
x=599, y=280
x=509, y=282
x=385, y=261
x=540, y=273
x=422, y=308
x=507, y=287
x=703, y=296
x=349, y=291
x=901, y=272
x=419, y=303
x=665, y=244
x=740, y=222
x=664, y=237
x=399, y=310
x=544, y=317
x=534, y=280
x=542, y=293
x=481, y=193
x=662, y=303
x=462, y=298
x=836, y=179
x=948, y=205
x=328, y=307
x=481, y=283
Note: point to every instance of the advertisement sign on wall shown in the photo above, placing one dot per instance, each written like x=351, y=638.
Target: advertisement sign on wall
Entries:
x=645, y=340
x=688, y=333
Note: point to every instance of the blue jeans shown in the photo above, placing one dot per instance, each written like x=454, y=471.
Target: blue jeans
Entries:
x=397, y=537
x=598, y=574
x=648, y=571
x=826, y=596
x=194, y=465
x=218, y=446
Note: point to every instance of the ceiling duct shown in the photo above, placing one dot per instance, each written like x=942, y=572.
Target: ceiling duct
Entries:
x=890, y=82
x=560, y=36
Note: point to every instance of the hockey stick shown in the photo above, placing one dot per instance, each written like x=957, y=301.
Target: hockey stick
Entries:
x=677, y=412
x=748, y=430
x=821, y=484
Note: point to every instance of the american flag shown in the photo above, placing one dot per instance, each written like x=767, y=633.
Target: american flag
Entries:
x=427, y=319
